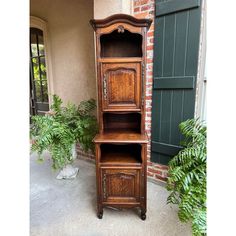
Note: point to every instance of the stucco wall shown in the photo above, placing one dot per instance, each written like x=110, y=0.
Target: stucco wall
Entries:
x=72, y=46
x=105, y=8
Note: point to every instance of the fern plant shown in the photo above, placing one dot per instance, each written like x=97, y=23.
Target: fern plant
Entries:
x=61, y=128
x=187, y=176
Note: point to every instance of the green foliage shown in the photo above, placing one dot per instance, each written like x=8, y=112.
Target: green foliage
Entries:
x=40, y=79
x=62, y=127
x=187, y=176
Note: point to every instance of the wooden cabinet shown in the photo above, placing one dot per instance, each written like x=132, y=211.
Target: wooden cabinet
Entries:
x=121, y=145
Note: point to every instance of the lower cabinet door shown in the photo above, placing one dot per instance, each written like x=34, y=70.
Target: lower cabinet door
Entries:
x=120, y=186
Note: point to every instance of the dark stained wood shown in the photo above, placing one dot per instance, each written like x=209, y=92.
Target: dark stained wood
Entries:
x=119, y=159
x=121, y=145
x=121, y=154
x=122, y=122
x=120, y=18
x=119, y=59
x=121, y=86
x=121, y=44
x=121, y=186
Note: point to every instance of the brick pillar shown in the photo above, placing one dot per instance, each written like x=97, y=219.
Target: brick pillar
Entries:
x=146, y=9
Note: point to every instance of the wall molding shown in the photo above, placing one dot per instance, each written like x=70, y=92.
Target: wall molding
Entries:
x=201, y=86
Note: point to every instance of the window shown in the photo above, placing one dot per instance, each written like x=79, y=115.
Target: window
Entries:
x=38, y=75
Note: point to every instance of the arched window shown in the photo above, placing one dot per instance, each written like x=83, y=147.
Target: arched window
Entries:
x=38, y=70
x=40, y=81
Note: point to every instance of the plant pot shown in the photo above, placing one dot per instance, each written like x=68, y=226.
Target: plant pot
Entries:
x=73, y=151
x=69, y=172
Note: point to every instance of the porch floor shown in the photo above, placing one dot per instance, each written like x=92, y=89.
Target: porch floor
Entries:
x=68, y=207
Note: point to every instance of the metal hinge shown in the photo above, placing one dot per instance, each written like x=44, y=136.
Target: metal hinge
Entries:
x=143, y=73
x=105, y=87
x=104, y=187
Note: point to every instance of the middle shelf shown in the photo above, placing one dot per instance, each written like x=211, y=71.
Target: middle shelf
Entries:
x=122, y=138
x=121, y=154
x=122, y=122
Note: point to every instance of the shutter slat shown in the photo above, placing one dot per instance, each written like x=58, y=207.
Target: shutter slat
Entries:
x=165, y=116
x=164, y=8
x=184, y=82
x=165, y=148
x=169, y=42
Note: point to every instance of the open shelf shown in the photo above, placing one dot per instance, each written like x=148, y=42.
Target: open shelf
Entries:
x=120, y=59
x=117, y=137
x=122, y=122
x=121, y=44
x=122, y=154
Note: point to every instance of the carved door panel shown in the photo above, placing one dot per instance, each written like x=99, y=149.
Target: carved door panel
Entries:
x=121, y=186
x=121, y=86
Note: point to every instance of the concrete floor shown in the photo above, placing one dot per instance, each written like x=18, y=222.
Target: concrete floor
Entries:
x=68, y=207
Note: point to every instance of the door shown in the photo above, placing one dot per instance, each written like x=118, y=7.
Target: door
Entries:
x=38, y=77
x=121, y=185
x=121, y=86
x=176, y=46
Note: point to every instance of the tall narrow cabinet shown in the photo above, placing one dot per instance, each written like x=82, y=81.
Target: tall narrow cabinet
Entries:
x=121, y=145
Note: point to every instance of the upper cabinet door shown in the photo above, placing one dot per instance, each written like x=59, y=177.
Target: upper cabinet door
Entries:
x=121, y=86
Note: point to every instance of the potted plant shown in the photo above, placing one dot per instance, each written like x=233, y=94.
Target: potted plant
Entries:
x=60, y=130
x=187, y=176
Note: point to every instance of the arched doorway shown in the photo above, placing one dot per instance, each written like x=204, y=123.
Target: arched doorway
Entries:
x=39, y=102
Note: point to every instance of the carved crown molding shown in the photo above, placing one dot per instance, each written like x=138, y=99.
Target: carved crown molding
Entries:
x=121, y=29
x=120, y=18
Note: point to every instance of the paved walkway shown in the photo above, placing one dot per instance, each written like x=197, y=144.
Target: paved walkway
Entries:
x=68, y=207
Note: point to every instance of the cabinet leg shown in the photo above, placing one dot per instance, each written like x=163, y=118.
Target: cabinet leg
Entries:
x=143, y=214
x=100, y=215
x=100, y=212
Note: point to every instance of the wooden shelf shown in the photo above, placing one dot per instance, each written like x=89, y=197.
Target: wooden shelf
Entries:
x=123, y=110
x=115, y=112
x=122, y=123
x=119, y=159
x=121, y=131
x=122, y=154
x=120, y=59
x=121, y=137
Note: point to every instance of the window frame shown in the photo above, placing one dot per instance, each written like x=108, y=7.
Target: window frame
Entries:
x=38, y=23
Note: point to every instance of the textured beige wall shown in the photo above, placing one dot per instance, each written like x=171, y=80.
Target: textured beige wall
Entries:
x=105, y=8
x=72, y=46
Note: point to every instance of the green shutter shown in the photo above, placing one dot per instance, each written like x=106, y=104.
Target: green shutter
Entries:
x=176, y=44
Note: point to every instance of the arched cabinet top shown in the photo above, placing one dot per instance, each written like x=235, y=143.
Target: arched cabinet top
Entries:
x=120, y=18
